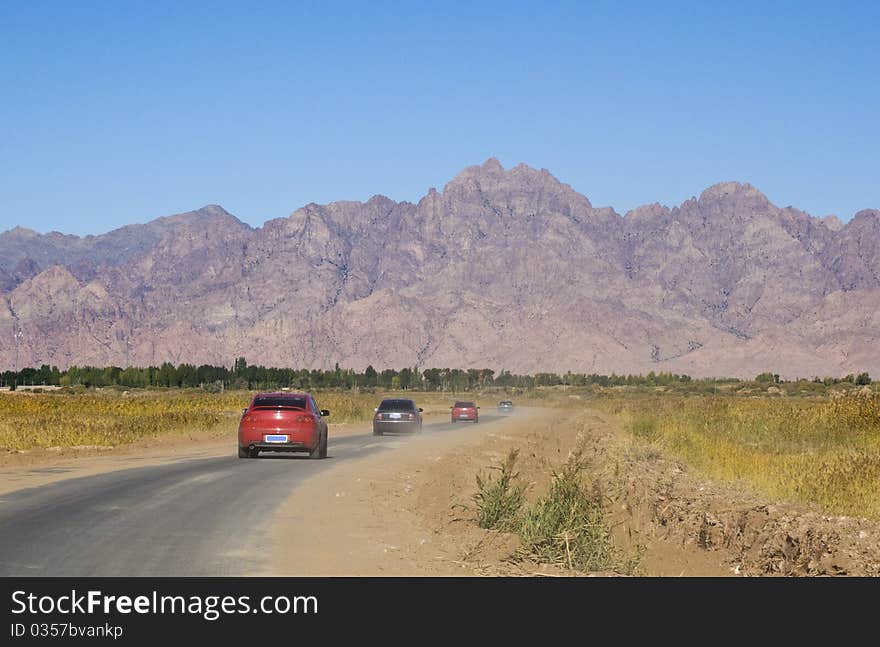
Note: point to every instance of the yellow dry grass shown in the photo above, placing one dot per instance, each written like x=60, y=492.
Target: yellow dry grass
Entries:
x=112, y=418
x=825, y=451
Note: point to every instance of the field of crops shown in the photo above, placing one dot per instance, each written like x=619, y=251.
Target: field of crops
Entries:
x=111, y=417
x=820, y=450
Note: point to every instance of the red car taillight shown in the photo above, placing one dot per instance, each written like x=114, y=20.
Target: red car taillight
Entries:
x=305, y=418
x=411, y=416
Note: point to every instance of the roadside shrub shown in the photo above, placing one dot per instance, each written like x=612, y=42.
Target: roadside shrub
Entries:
x=568, y=524
x=500, y=500
x=213, y=387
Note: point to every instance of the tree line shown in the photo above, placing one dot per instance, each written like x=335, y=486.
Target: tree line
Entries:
x=242, y=375
x=862, y=379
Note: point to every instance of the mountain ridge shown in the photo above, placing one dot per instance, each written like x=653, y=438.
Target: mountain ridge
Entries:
x=504, y=268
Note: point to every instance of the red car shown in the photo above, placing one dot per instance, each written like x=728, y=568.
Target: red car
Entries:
x=465, y=411
x=283, y=422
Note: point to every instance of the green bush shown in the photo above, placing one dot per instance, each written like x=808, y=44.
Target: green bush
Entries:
x=499, y=501
x=644, y=427
x=566, y=526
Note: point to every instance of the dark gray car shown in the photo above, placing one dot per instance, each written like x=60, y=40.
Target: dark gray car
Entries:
x=397, y=415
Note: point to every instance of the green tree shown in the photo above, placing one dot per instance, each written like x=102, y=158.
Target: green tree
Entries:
x=240, y=366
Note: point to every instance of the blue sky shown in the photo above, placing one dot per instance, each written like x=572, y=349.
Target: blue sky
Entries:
x=120, y=112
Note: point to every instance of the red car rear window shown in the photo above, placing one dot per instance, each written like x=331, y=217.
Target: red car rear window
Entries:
x=274, y=402
x=464, y=405
x=391, y=405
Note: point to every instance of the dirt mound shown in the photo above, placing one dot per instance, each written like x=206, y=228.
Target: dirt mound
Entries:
x=749, y=535
x=754, y=538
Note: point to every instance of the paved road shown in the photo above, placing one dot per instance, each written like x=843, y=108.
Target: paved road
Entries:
x=192, y=517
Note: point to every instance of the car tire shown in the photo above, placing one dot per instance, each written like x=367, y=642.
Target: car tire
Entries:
x=324, y=447
x=316, y=452
x=243, y=452
x=376, y=432
x=476, y=420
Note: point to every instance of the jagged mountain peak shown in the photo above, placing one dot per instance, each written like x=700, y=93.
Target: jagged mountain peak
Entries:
x=489, y=170
x=646, y=211
x=20, y=232
x=491, y=181
x=725, y=190
x=211, y=214
x=867, y=215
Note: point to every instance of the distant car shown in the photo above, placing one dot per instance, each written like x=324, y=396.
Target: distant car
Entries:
x=505, y=406
x=465, y=410
x=283, y=422
x=397, y=415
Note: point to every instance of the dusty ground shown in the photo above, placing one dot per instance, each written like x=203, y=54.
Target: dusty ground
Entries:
x=411, y=512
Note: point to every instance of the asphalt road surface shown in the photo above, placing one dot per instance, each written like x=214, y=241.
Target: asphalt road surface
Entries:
x=190, y=517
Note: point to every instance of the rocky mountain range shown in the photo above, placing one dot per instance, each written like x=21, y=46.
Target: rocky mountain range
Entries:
x=502, y=268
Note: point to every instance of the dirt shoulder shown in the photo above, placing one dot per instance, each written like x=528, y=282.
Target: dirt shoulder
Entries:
x=410, y=512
